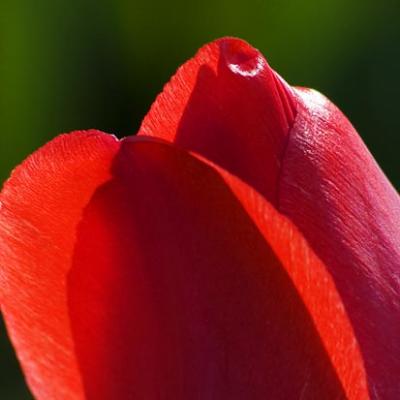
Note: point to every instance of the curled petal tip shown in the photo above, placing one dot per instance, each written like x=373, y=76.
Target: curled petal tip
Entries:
x=241, y=58
x=228, y=105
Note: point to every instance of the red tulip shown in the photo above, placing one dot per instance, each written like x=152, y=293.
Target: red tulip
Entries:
x=245, y=245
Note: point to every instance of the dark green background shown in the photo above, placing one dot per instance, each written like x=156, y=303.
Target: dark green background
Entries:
x=79, y=64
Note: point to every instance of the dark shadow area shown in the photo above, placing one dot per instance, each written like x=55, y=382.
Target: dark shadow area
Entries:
x=174, y=293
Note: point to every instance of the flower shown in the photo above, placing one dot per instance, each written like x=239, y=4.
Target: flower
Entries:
x=243, y=245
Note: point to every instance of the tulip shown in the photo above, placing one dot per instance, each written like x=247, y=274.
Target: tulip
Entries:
x=244, y=245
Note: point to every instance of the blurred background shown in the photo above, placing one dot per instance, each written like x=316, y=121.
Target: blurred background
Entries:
x=79, y=64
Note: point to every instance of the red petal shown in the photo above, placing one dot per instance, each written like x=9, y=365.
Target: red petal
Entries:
x=41, y=205
x=228, y=105
x=176, y=293
x=222, y=105
x=334, y=191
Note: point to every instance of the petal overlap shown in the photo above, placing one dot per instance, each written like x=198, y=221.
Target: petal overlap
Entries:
x=178, y=274
x=197, y=297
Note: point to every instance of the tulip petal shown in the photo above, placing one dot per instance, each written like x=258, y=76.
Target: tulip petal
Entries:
x=41, y=205
x=228, y=105
x=299, y=151
x=333, y=190
x=187, y=284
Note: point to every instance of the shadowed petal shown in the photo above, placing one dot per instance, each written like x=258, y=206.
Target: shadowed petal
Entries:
x=187, y=284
